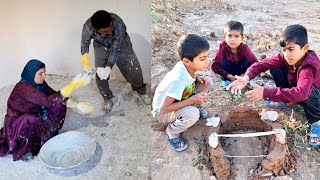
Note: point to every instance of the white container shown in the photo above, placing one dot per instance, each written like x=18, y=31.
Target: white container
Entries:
x=67, y=150
x=269, y=115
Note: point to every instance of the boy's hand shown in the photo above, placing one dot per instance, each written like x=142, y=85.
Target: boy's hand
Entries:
x=256, y=94
x=199, y=98
x=238, y=84
x=201, y=79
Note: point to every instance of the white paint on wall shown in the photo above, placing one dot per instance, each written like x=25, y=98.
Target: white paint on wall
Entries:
x=51, y=32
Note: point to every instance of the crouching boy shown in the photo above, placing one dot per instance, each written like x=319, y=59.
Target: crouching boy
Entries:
x=181, y=89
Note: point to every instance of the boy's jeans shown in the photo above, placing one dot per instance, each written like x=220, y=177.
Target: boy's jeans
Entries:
x=180, y=120
x=235, y=69
x=311, y=106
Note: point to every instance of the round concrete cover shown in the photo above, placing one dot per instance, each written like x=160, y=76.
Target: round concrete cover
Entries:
x=67, y=150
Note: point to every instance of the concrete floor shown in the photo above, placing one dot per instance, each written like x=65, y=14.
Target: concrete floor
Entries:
x=122, y=137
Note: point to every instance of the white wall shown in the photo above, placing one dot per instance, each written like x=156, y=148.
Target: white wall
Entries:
x=50, y=30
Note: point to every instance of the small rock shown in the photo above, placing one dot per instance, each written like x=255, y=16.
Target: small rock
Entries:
x=200, y=167
x=212, y=178
x=143, y=169
x=110, y=168
x=159, y=161
x=273, y=34
x=269, y=115
x=169, y=6
x=282, y=178
x=260, y=19
x=213, y=34
x=251, y=172
x=122, y=114
x=263, y=56
x=103, y=134
x=128, y=174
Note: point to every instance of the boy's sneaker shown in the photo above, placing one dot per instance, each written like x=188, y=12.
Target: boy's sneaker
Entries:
x=225, y=83
x=203, y=114
x=145, y=98
x=107, y=106
x=249, y=85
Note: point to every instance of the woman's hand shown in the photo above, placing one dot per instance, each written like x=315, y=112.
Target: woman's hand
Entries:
x=78, y=82
x=83, y=106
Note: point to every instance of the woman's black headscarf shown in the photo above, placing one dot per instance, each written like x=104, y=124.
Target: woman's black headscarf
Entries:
x=29, y=72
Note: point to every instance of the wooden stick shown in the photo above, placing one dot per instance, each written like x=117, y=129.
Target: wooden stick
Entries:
x=245, y=156
x=249, y=134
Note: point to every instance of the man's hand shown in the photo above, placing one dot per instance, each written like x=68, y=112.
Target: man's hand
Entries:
x=85, y=63
x=256, y=94
x=103, y=73
x=199, y=98
x=238, y=84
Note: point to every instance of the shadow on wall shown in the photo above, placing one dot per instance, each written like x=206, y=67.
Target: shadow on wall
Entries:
x=142, y=48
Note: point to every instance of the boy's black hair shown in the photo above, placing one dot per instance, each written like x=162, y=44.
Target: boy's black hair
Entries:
x=233, y=25
x=294, y=33
x=101, y=19
x=189, y=46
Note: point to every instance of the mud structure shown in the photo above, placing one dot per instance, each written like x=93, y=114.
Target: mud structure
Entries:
x=278, y=161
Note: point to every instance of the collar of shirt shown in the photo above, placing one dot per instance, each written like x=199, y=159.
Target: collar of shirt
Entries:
x=225, y=45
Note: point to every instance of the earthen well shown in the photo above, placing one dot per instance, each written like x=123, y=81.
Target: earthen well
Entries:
x=277, y=162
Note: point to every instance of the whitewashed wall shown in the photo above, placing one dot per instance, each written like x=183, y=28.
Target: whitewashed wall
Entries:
x=51, y=31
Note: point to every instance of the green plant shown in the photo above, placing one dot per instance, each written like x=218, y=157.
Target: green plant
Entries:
x=199, y=145
x=246, y=40
x=299, y=133
x=154, y=17
x=312, y=154
x=299, y=140
x=199, y=159
x=301, y=111
x=232, y=97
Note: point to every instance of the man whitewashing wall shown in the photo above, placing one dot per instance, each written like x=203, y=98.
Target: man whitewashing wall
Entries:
x=51, y=31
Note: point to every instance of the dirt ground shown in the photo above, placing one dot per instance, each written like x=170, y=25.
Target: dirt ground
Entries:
x=122, y=137
x=263, y=22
